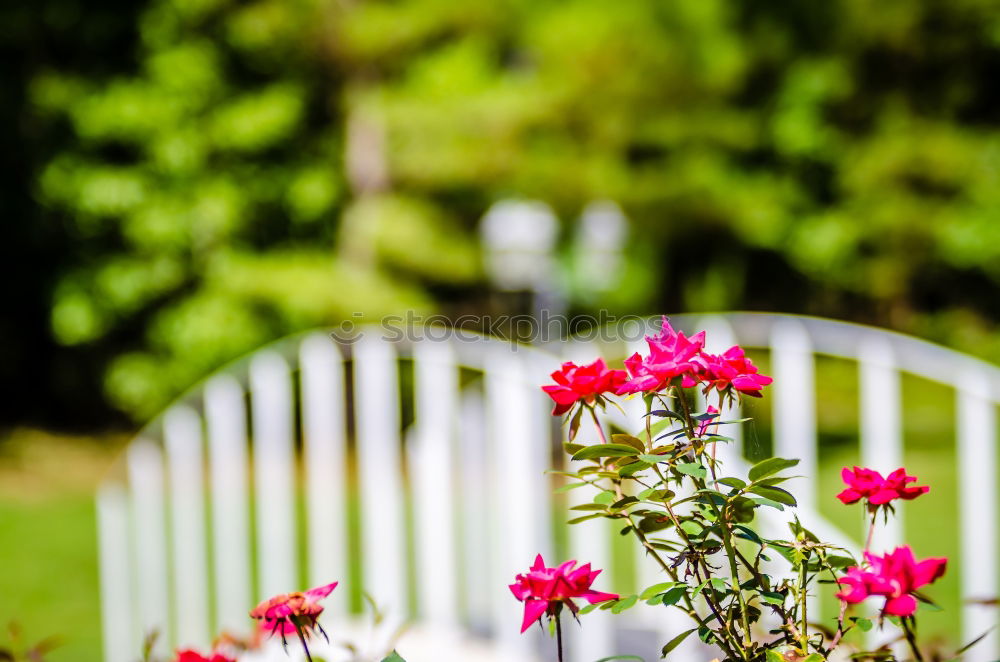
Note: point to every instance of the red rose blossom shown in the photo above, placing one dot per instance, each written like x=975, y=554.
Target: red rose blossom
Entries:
x=544, y=590
x=894, y=576
x=575, y=383
x=194, y=656
x=869, y=484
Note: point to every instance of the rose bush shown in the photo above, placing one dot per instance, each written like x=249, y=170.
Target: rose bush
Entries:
x=668, y=490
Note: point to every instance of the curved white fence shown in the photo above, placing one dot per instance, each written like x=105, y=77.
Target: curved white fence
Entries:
x=416, y=470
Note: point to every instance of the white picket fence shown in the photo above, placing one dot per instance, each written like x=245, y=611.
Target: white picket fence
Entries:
x=294, y=468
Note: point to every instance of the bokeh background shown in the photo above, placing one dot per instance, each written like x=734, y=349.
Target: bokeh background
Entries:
x=186, y=180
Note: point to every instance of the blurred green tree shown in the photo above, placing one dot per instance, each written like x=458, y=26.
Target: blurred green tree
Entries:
x=273, y=165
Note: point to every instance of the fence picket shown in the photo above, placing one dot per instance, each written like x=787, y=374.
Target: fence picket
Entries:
x=475, y=484
x=274, y=475
x=881, y=425
x=380, y=474
x=325, y=459
x=515, y=479
x=432, y=475
x=116, y=577
x=977, y=461
x=145, y=471
x=225, y=418
x=182, y=438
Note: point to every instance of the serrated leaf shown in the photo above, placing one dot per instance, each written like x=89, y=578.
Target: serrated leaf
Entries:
x=604, y=450
x=675, y=642
x=770, y=466
x=772, y=597
x=672, y=596
x=692, y=469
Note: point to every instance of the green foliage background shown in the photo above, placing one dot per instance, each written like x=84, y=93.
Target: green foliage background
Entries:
x=837, y=158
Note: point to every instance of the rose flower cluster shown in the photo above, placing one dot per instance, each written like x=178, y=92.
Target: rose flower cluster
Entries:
x=672, y=356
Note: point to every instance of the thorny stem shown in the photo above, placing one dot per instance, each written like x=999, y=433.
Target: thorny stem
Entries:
x=803, y=601
x=726, y=532
x=840, y=626
x=911, y=638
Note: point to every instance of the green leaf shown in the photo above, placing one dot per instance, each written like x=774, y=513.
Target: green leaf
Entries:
x=672, y=596
x=812, y=657
x=653, y=459
x=633, y=468
x=629, y=440
x=621, y=657
x=591, y=507
x=605, y=450
x=692, y=469
x=774, y=494
x=774, y=656
x=393, y=657
x=864, y=623
x=572, y=448
x=742, y=509
x=622, y=605
x=607, y=497
x=621, y=503
x=767, y=502
x=574, y=425
x=586, y=609
x=772, y=597
x=657, y=588
x=736, y=483
x=567, y=487
x=577, y=520
x=770, y=466
x=749, y=534
x=675, y=642
x=692, y=528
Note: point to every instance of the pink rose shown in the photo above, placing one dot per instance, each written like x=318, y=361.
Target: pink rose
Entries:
x=894, y=576
x=543, y=590
x=671, y=355
x=869, y=484
x=732, y=368
x=282, y=613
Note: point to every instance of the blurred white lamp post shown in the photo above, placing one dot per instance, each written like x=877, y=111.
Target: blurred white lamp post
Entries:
x=600, y=241
x=518, y=240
